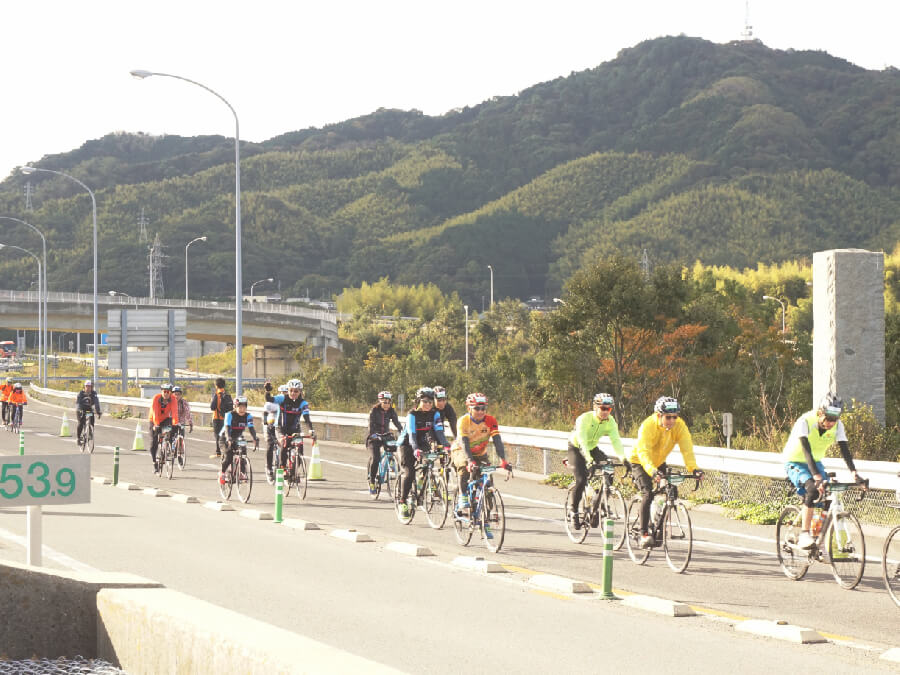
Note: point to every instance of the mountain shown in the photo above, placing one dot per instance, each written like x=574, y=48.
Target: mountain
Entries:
x=731, y=154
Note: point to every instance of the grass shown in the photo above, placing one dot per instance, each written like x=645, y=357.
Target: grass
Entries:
x=560, y=480
x=760, y=514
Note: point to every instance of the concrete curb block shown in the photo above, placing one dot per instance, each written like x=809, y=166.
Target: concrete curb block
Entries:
x=477, y=564
x=780, y=631
x=551, y=582
x=256, y=515
x=413, y=550
x=129, y=486
x=351, y=535
x=218, y=506
x=156, y=492
x=297, y=524
x=185, y=499
x=891, y=655
x=658, y=605
x=102, y=480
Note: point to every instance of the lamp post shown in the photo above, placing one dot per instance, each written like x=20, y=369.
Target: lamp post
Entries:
x=270, y=279
x=492, y=287
x=560, y=301
x=466, y=308
x=113, y=294
x=42, y=342
x=30, y=169
x=783, y=309
x=186, y=266
x=38, y=261
x=238, y=281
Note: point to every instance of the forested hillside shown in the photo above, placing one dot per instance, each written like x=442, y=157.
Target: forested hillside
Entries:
x=729, y=154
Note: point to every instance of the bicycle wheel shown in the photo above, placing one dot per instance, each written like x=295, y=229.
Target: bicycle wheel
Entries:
x=794, y=561
x=678, y=539
x=411, y=510
x=493, y=520
x=435, y=501
x=243, y=478
x=614, y=507
x=89, y=438
x=462, y=526
x=288, y=475
x=300, y=477
x=380, y=477
x=225, y=488
x=169, y=459
x=890, y=564
x=576, y=535
x=180, y=456
x=633, y=532
x=846, y=548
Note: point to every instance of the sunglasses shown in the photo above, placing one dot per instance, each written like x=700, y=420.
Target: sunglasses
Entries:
x=831, y=418
x=479, y=408
x=671, y=417
x=605, y=408
x=293, y=391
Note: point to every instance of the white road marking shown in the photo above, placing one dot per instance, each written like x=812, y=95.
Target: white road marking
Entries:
x=352, y=466
x=48, y=552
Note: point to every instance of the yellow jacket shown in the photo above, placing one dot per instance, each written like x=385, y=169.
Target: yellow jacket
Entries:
x=654, y=444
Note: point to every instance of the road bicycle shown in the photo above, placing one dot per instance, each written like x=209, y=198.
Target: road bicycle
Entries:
x=601, y=501
x=165, y=453
x=839, y=541
x=428, y=491
x=388, y=469
x=296, y=474
x=180, y=454
x=239, y=475
x=86, y=438
x=15, y=418
x=890, y=558
x=485, y=511
x=669, y=525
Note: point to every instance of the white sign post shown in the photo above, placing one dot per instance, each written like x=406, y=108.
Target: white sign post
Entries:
x=35, y=480
x=727, y=428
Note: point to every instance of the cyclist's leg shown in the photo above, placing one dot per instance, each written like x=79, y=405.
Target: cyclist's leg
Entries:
x=579, y=467
x=645, y=484
x=460, y=461
x=217, y=429
x=154, y=443
x=271, y=442
x=407, y=470
x=228, y=454
x=374, y=446
x=79, y=414
x=799, y=475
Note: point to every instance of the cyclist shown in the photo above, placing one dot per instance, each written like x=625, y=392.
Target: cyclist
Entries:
x=380, y=418
x=474, y=430
x=292, y=406
x=421, y=422
x=811, y=436
x=270, y=413
x=5, y=391
x=17, y=400
x=236, y=422
x=86, y=400
x=221, y=403
x=184, y=411
x=657, y=436
x=590, y=427
x=448, y=414
x=163, y=411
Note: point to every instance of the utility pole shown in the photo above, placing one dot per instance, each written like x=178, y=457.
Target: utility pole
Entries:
x=157, y=264
x=143, y=222
x=29, y=190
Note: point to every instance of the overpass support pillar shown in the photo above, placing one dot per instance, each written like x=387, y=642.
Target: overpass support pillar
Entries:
x=273, y=362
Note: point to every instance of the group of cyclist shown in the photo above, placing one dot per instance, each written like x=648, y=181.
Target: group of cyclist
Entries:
x=13, y=399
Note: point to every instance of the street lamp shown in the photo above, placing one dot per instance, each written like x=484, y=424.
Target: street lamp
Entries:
x=29, y=170
x=238, y=281
x=783, y=309
x=492, y=287
x=113, y=294
x=466, y=308
x=560, y=301
x=42, y=348
x=38, y=261
x=270, y=279
x=186, y=266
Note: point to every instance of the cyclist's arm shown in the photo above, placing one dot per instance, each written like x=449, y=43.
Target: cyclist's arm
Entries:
x=807, y=455
x=226, y=425
x=251, y=428
x=396, y=421
x=582, y=435
x=686, y=445
x=646, y=438
x=498, y=447
x=464, y=440
x=411, y=431
x=97, y=403
x=438, y=429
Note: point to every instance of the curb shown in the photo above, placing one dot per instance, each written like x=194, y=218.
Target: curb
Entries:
x=658, y=605
x=218, y=506
x=297, y=524
x=551, y=582
x=185, y=499
x=156, y=492
x=253, y=514
x=413, y=550
x=128, y=486
x=780, y=630
x=351, y=535
x=478, y=564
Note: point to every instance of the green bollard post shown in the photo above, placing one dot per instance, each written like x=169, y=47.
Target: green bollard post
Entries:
x=21, y=442
x=279, y=494
x=116, y=466
x=608, y=560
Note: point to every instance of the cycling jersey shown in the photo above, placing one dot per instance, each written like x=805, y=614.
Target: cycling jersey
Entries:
x=18, y=398
x=161, y=409
x=291, y=412
x=819, y=441
x=419, y=425
x=236, y=424
x=184, y=413
x=589, y=430
x=654, y=443
x=5, y=391
x=380, y=420
x=477, y=433
x=86, y=401
x=448, y=417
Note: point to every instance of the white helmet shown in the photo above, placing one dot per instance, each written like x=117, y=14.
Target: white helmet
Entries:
x=295, y=384
x=282, y=388
x=88, y=383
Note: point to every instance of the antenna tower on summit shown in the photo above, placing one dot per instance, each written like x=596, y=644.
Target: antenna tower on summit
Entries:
x=29, y=190
x=157, y=264
x=143, y=222
x=747, y=33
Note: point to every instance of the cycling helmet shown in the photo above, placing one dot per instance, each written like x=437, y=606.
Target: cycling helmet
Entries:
x=176, y=388
x=667, y=404
x=282, y=388
x=476, y=399
x=295, y=384
x=17, y=385
x=385, y=395
x=240, y=400
x=165, y=386
x=603, y=399
x=831, y=405
x=8, y=380
x=424, y=392
x=440, y=392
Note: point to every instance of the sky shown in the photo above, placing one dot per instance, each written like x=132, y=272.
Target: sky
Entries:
x=291, y=64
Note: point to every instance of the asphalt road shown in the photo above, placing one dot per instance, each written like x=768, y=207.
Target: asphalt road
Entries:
x=332, y=590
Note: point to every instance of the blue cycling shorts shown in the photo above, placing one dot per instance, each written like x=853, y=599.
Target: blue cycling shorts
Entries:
x=798, y=473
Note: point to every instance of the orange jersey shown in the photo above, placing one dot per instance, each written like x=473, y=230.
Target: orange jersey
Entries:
x=17, y=398
x=5, y=391
x=478, y=433
x=160, y=410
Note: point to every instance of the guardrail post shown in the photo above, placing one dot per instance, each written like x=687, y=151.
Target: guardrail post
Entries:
x=546, y=462
x=608, y=560
x=279, y=494
x=115, y=480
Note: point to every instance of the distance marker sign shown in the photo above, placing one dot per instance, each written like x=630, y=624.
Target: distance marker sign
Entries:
x=31, y=480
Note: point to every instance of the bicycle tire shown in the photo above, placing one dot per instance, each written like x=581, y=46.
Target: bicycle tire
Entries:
x=169, y=459
x=435, y=500
x=890, y=564
x=89, y=440
x=380, y=477
x=463, y=527
x=406, y=520
x=180, y=453
x=393, y=472
x=288, y=476
x=794, y=562
x=633, y=532
x=846, y=555
x=493, y=515
x=301, y=477
x=576, y=535
x=678, y=537
x=614, y=506
x=225, y=488
x=243, y=478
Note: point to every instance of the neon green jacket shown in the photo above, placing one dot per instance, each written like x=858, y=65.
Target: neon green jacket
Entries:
x=589, y=430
